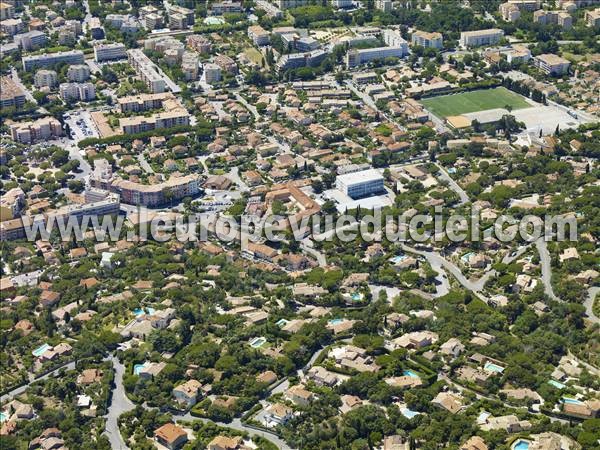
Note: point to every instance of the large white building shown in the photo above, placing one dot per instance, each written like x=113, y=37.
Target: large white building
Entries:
x=428, y=40
x=146, y=70
x=481, y=37
x=384, y=5
x=37, y=130
x=259, y=35
x=360, y=184
x=552, y=64
x=78, y=73
x=362, y=56
x=77, y=91
x=31, y=40
x=45, y=78
x=107, y=52
x=49, y=59
x=212, y=73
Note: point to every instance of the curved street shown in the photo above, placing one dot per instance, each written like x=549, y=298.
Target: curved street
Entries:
x=545, y=263
x=19, y=390
x=119, y=404
x=589, y=304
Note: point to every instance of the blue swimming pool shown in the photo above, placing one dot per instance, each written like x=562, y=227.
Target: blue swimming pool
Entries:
x=556, y=384
x=3, y=416
x=138, y=368
x=409, y=414
x=140, y=312
x=398, y=259
x=521, y=445
x=491, y=367
x=282, y=322
x=257, y=342
x=410, y=373
x=40, y=350
x=356, y=296
x=335, y=321
x=571, y=401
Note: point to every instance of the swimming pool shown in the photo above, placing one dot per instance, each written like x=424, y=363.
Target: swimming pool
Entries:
x=3, y=416
x=410, y=373
x=282, y=322
x=213, y=21
x=41, y=350
x=571, y=401
x=409, y=414
x=521, y=445
x=398, y=259
x=490, y=367
x=257, y=342
x=140, y=312
x=335, y=321
x=138, y=368
x=465, y=258
x=356, y=296
x=556, y=384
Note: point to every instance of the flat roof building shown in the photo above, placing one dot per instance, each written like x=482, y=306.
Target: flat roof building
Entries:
x=428, y=40
x=11, y=95
x=481, y=37
x=360, y=184
x=146, y=70
x=108, y=52
x=552, y=64
x=49, y=59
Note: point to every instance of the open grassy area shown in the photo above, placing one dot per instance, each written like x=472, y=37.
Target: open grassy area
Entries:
x=474, y=101
x=254, y=55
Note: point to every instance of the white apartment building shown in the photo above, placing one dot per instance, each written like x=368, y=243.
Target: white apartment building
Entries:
x=49, y=59
x=107, y=52
x=45, y=78
x=259, y=35
x=289, y=4
x=384, y=5
x=31, y=40
x=552, y=64
x=78, y=73
x=428, y=40
x=190, y=65
x=146, y=70
x=212, y=73
x=38, y=130
x=84, y=92
x=360, y=184
x=481, y=37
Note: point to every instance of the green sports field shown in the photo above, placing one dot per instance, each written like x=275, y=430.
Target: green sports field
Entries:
x=474, y=101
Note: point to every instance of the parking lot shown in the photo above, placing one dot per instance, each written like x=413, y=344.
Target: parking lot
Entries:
x=81, y=124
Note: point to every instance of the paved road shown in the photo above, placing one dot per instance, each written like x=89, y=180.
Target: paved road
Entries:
x=248, y=106
x=18, y=391
x=307, y=246
x=234, y=176
x=589, y=304
x=545, y=262
x=436, y=260
x=120, y=404
x=144, y=164
x=464, y=198
x=236, y=424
